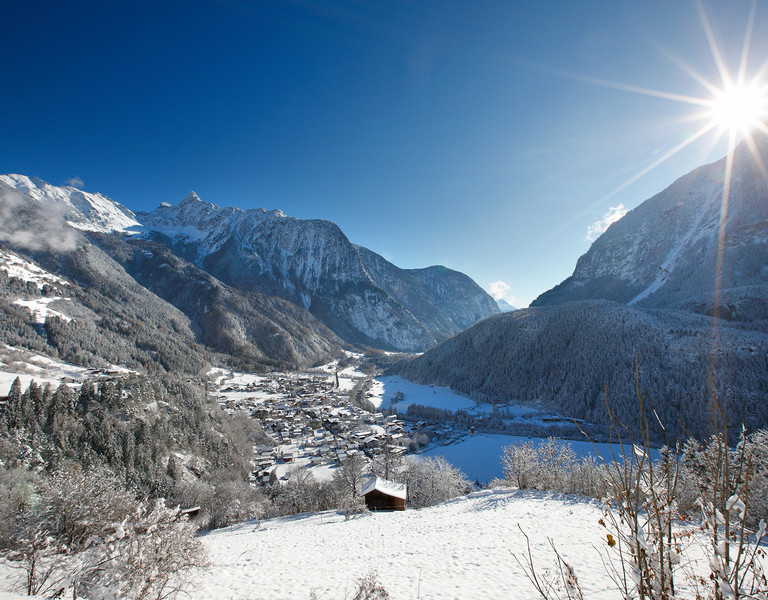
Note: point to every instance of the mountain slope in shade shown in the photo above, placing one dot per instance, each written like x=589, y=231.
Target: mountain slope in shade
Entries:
x=445, y=300
x=564, y=357
x=457, y=295
x=665, y=252
x=251, y=327
x=355, y=292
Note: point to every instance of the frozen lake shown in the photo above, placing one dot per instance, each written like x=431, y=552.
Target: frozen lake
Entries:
x=479, y=456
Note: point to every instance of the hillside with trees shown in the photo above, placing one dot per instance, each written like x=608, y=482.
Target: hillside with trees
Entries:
x=564, y=358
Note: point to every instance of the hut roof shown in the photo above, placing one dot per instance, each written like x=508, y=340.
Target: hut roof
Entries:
x=390, y=488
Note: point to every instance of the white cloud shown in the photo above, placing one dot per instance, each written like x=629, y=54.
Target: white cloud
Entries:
x=32, y=225
x=75, y=182
x=597, y=228
x=498, y=291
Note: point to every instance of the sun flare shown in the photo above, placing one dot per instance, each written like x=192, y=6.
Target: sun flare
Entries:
x=739, y=108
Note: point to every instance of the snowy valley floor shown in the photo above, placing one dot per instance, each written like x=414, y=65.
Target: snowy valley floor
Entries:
x=461, y=549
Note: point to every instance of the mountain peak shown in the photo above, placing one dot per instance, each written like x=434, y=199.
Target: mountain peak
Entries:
x=192, y=197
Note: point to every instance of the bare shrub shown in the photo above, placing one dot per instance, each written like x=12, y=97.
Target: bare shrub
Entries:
x=76, y=505
x=350, y=475
x=520, y=464
x=369, y=588
x=151, y=554
x=233, y=502
x=553, y=466
x=81, y=530
x=549, y=583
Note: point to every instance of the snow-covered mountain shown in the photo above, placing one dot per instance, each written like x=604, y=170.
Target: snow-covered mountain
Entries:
x=264, y=254
x=354, y=291
x=81, y=210
x=505, y=306
x=665, y=252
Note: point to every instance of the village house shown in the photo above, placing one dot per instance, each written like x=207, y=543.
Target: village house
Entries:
x=381, y=494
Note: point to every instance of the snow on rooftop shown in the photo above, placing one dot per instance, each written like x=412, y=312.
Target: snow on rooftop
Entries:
x=390, y=488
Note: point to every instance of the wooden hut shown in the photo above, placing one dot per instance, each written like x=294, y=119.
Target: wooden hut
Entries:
x=381, y=494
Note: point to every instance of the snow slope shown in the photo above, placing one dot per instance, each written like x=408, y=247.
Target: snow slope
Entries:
x=384, y=388
x=84, y=211
x=30, y=366
x=19, y=268
x=461, y=549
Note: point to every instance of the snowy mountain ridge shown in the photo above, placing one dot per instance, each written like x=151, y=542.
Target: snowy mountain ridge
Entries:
x=81, y=210
x=309, y=263
x=203, y=223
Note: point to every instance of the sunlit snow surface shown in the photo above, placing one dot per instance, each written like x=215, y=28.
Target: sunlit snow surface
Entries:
x=460, y=549
x=29, y=366
x=18, y=268
x=41, y=309
x=88, y=212
x=384, y=388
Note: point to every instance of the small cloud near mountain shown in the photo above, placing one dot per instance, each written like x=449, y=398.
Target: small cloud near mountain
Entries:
x=597, y=228
x=498, y=291
x=75, y=182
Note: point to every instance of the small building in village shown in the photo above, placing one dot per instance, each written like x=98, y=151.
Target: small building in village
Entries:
x=381, y=494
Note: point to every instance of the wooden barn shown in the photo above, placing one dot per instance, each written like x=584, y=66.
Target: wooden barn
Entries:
x=381, y=494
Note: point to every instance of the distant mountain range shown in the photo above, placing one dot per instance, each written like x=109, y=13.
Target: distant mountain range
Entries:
x=354, y=291
x=681, y=280
x=257, y=285
x=504, y=306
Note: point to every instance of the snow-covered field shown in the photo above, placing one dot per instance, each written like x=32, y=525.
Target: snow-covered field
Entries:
x=384, y=388
x=41, y=308
x=18, y=268
x=461, y=549
x=28, y=366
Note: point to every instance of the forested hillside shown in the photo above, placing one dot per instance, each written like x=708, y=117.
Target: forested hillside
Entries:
x=563, y=358
x=96, y=315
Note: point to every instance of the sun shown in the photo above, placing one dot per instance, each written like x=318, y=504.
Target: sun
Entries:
x=734, y=106
x=738, y=108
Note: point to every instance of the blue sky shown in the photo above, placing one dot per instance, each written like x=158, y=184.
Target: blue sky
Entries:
x=469, y=134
